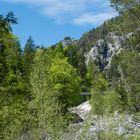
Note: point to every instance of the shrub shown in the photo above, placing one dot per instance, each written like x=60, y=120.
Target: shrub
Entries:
x=106, y=103
x=112, y=102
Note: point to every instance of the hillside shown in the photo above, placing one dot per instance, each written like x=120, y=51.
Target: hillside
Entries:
x=40, y=87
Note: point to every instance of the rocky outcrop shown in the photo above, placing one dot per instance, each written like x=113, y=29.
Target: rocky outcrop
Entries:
x=104, y=49
x=68, y=41
x=124, y=125
x=82, y=110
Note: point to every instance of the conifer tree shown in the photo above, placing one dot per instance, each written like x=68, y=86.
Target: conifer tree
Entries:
x=27, y=62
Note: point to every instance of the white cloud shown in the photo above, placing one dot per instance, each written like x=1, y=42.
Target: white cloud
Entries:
x=79, y=12
x=95, y=19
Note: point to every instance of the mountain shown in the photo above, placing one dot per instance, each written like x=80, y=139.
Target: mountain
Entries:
x=67, y=41
x=41, y=87
x=101, y=44
x=104, y=50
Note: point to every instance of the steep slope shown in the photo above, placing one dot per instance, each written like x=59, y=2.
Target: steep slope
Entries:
x=101, y=44
x=104, y=49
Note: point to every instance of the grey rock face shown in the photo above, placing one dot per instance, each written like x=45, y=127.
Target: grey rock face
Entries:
x=120, y=124
x=82, y=110
x=68, y=41
x=104, y=49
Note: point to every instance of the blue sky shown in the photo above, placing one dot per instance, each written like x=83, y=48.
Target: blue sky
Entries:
x=49, y=21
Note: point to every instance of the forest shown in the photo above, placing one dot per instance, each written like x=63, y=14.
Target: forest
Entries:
x=39, y=84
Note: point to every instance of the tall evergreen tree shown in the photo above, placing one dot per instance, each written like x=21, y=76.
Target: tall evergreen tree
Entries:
x=28, y=56
x=28, y=60
x=12, y=101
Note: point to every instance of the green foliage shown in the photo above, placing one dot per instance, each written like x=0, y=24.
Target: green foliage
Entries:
x=97, y=103
x=88, y=40
x=136, y=137
x=103, y=100
x=112, y=102
x=12, y=112
x=39, y=85
x=59, y=48
x=27, y=62
x=130, y=67
x=13, y=103
x=28, y=56
x=5, y=24
x=54, y=86
x=64, y=80
x=44, y=110
x=106, y=104
x=76, y=59
x=99, y=86
x=129, y=21
x=109, y=136
x=124, y=77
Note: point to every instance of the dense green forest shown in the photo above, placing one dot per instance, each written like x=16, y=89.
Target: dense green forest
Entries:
x=39, y=84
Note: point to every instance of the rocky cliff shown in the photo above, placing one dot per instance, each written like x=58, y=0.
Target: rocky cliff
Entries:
x=104, y=49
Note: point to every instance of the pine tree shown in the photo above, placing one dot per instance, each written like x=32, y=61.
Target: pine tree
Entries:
x=129, y=21
x=27, y=62
x=28, y=56
x=12, y=96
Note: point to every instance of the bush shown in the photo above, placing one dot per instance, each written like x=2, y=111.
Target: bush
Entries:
x=97, y=103
x=106, y=103
x=109, y=136
x=112, y=102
